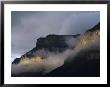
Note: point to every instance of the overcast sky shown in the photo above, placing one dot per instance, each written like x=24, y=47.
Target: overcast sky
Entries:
x=27, y=27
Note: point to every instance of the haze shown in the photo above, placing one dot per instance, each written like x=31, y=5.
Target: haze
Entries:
x=27, y=27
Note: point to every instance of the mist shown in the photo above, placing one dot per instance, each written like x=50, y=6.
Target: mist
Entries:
x=54, y=60
x=27, y=27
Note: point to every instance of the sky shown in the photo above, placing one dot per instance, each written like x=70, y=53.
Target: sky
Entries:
x=28, y=26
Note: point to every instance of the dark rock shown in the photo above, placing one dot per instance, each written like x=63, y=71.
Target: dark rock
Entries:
x=96, y=27
x=16, y=61
x=54, y=41
x=85, y=64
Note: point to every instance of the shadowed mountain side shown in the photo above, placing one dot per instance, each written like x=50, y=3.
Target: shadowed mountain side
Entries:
x=85, y=64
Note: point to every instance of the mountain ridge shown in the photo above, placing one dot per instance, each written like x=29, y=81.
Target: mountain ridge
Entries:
x=78, y=45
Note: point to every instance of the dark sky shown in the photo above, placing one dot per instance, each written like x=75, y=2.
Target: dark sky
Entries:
x=27, y=27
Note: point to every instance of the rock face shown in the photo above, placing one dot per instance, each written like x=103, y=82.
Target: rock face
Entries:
x=83, y=59
x=54, y=42
x=16, y=61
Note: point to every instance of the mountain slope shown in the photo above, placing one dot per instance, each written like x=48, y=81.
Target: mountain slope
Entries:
x=62, y=55
x=86, y=61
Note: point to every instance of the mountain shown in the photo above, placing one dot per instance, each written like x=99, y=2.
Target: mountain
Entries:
x=80, y=65
x=16, y=61
x=51, y=43
x=62, y=55
x=86, y=63
x=96, y=27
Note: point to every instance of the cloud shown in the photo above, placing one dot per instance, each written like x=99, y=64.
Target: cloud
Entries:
x=54, y=60
x=27, y=27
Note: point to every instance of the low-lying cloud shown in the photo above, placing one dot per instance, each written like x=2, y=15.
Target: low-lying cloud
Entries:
x=53, y=60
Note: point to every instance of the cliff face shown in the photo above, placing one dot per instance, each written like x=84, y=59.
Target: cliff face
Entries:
x=54, y=41
x=63, y=55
